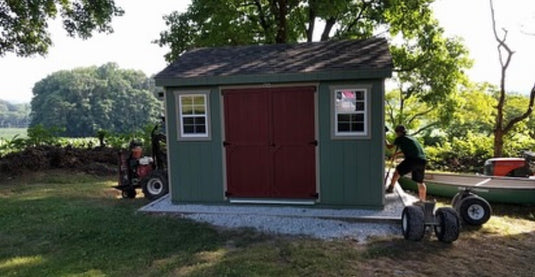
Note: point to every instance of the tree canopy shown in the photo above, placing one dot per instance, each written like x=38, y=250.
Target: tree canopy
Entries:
x=86, y=100
x=24, y=23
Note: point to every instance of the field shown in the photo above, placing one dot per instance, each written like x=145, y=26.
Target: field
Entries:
x=56, y=223
x=9, y=133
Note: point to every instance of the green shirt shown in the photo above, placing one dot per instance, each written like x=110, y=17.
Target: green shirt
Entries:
x=410, y=147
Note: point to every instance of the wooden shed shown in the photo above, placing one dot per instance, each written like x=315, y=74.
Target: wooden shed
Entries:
x=281, y=124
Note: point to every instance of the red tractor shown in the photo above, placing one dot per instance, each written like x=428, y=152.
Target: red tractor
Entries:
x=511, y=167
x=146, y=172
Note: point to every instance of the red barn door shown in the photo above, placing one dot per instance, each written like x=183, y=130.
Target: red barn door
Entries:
x=270, y=142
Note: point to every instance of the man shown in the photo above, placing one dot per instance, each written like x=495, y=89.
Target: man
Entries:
x=414, y=161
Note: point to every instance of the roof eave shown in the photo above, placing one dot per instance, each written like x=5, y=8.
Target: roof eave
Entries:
x=274, y=78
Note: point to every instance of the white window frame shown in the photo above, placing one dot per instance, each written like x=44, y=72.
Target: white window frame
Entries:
x=365, y=133
x=181, y=134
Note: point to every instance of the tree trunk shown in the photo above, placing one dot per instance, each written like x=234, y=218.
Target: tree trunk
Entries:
x=280, y=10
x=328, y=27
x=498, y=142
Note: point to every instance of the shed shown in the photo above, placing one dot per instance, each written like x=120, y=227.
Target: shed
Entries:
x=280, y=124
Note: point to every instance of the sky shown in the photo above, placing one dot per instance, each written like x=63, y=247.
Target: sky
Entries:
x=131, y=47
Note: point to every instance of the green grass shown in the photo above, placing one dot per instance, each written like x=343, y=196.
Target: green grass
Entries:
x=67, y=224
x=9, y=133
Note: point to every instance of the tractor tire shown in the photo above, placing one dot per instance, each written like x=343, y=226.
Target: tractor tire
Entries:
x=128, y=193
x=474, y=210
x=448, y=225
x=412, y=223
x=155, y=185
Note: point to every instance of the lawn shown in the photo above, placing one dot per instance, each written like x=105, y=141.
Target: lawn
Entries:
x=66, y=224
x=9, y=133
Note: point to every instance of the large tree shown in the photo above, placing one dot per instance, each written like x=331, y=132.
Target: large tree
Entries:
x=503, y=124
x=24, y=23
x=427, y=65
x=85, y=100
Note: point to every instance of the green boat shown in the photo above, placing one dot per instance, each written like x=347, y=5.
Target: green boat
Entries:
x=494, y=189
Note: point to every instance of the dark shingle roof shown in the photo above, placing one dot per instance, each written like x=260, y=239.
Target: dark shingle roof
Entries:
x=306, y=58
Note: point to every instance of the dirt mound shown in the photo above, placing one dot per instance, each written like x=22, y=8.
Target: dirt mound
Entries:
x=99, y=160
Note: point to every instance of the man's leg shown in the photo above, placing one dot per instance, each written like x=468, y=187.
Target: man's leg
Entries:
x=393, y=181
x=422, y=191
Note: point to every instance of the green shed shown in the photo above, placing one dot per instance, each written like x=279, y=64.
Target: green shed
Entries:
x=278, y=124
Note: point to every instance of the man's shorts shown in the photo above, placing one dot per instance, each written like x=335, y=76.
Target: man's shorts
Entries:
x=416, y=166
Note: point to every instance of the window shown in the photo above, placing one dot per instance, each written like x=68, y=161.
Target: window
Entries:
x=193, y=115
x=350, y=112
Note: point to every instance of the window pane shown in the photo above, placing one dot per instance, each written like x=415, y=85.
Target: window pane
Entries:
x=343, y=127
x=359, y=95
x=199, y=120
x=199, y=110
x=343, y=117
x=188, y=120
x=187, y=110
x=186, y=100
x=357, y=127
x=189, y=129
x=199, y=100
x=359, y=106
x=359, y=117
x=201, y=129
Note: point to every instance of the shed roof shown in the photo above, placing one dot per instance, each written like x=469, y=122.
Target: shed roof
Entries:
x=314, y=61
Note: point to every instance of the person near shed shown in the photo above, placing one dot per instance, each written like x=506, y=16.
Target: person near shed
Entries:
x=414, y=161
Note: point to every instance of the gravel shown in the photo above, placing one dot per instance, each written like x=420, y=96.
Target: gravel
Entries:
x=327, y=224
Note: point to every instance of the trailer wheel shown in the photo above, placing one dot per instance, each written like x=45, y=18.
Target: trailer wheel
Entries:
x=455, y=200
x=412, y=223
x=155, y=185
x=128, y=193
x=475, y=210
x=447, y=228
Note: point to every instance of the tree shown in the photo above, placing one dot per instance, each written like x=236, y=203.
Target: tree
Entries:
x=24, y=23
x=86, y=100
x=505, y=125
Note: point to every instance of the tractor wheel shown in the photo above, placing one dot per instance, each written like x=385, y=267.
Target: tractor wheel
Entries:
x=155, y=185
x=128, y=193
x=475, y=210
x=412, y=223
x=447, y=228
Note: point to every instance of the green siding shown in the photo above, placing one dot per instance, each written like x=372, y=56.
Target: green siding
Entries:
x=352, y=170
x=195, y=166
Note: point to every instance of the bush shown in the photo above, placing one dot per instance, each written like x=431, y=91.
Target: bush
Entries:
x=461, y=155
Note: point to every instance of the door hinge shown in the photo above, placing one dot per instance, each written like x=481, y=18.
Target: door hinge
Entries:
x=228, y=194
x=225, y=144
x=315, y=195
x=315, y=143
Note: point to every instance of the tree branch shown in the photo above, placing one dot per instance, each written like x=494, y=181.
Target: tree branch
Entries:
x=419, y=114
x=425, y=128
x=525, y=115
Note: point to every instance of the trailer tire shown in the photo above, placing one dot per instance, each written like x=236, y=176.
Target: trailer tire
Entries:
x=447, y=228
x=412, y=223
x=455, y=200
x=128, y=193
x=475, y=210
x=155, y=185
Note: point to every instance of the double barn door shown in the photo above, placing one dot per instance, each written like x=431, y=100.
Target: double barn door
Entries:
x=270, y=142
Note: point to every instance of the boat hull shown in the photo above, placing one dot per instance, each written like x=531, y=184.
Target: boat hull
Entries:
x=492, y=189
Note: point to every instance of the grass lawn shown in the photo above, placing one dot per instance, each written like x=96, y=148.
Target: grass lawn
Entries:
x=66, y=224
x=9, y=133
